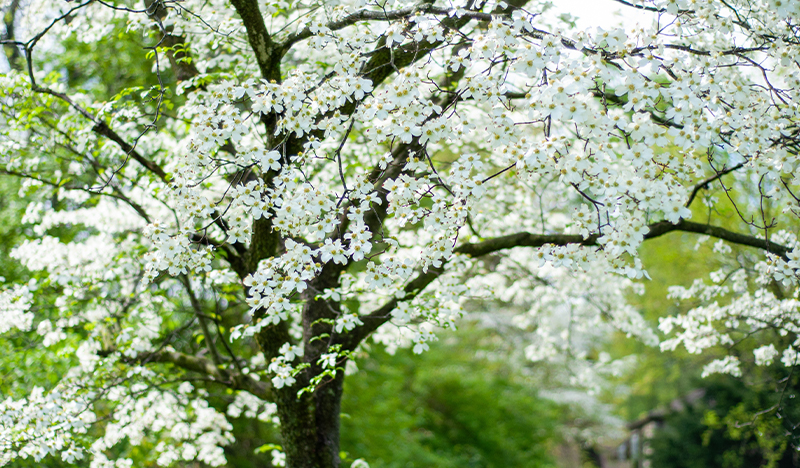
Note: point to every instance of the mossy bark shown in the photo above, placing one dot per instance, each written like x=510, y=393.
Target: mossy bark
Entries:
x=310, y=424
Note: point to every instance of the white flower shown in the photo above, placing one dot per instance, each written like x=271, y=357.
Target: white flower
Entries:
x=269, y=160
x=765, y=355
x=289, y=352
x=347, y=322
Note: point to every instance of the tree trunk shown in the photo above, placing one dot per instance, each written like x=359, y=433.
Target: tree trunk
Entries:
x=310, y=425
x=297, y=428
x=328, y=399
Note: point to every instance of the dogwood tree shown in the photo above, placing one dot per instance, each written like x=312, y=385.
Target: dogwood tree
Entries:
x=295, y=182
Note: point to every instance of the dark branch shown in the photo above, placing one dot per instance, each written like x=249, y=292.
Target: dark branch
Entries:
x=232, y=379
x=260, y=40
x=381, y=315
x=704, y=184
x=101, y=128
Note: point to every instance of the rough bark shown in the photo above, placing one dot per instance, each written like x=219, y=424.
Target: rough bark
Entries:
x=297, y=428
x=327, y=410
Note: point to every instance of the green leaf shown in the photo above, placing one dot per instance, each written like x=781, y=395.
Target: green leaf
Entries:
x=267, y=448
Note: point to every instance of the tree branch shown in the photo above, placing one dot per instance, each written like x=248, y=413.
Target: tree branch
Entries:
x=704, y=184
x=377, y=15
x=100, y=127
x=381, y=315
x=117, y=194
x=179, y=60
x=664, y=227
x=260, y=40
x=201, y=317
x=232, y=379
x=349, y=20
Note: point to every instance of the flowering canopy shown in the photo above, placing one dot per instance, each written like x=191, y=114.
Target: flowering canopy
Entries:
x=295, y=178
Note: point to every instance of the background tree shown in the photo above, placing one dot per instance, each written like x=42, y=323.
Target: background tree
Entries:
x=292, y=180
x=734, y=423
